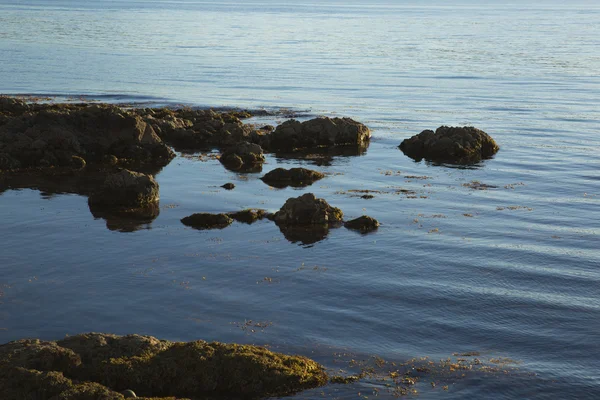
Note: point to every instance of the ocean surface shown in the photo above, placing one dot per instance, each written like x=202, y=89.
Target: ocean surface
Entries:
x=500, y=259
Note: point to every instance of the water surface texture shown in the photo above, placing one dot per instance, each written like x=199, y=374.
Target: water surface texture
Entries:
x=501, y=258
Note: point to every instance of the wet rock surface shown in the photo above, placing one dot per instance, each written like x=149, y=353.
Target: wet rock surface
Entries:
x=458, y=145
x=126, y=189
x=293, y=135
x=207, y=221
x=104, y=366
x=36, y=135
x=307, y=210
x=296, y=177
x=249, y=216
x=363, y=224
x=243, y=156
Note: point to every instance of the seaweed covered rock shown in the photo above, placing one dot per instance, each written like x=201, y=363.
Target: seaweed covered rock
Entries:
x=363, y=224
x=126, y=189
x=188, y=129
x=458, y=145
x=207, y=221
x=307, y=210
x=243, y=156
x=297, y=177
x=106, y=366
x=51, y=135
x=249, y=216
x=323, y=131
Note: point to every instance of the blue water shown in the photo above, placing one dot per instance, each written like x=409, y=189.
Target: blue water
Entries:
x=517, y=277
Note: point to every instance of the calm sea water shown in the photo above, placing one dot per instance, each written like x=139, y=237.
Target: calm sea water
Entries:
x=512, y=271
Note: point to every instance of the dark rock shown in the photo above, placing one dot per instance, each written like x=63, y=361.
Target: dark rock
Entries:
x=243, y=156
x=450, y=145
x=98, y=366
x=78, y=162
x=367, y=196
x=228, y=186
x=207, y=221
x=293, y=135
x=126, y=189
x=248, y=216
x=50, y=135
x=363, y=224
x=307, y=210
x=297, y=177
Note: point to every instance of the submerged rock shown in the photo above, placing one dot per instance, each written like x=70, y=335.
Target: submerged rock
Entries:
x=460, y=145
x=207, y=221
x=363, y=224
x=249, y=216
x=243, y=156
x=126, y=189
x=323, y=131
x=99, y=366
x=297, y=177
x=307, y=210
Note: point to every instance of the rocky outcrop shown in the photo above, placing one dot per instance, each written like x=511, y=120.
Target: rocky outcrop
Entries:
x=72, y=135
x=126, y=189
x=450, y=145
x=293, y=135
x=207, y=221
x=307, y=210
x=243, y=156
x=363, y=224
x=103, y=366
x=296, y=177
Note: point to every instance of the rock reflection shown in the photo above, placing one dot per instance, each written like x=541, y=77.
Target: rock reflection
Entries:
x=304, y=235
x=126, y=220
x=324, y=156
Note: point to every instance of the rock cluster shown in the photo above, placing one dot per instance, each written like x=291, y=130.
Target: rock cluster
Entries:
x=459, y=145
x=104, y=366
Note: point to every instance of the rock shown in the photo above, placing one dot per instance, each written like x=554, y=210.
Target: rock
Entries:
x=12, y=107
x=450, y=145
x=243, y=155
x=307, y=210
x=126, y=189
x=293, y=135
x=99, y=366
x=363, y=224
x=51, y=135
x=228, y=186
x=207, y=221
x=297, y=177
x=248, y=216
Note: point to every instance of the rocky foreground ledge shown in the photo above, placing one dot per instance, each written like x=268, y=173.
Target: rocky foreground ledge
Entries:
x=109, y=367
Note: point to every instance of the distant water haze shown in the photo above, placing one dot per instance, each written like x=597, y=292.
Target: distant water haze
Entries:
x=500, y=258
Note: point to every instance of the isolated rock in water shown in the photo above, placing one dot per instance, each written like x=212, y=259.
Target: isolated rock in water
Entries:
x=228, y=186
x=207, y=221
x=51, y=135
x=323, y=131
x=103, y=366
x=307, y=210
x=126, y=189
x=363, y=224
x=450, y=144
x=297, y=177
x=243, y=156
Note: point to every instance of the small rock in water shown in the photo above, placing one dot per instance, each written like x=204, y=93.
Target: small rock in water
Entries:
x=363, y=224
x=228, y=186
x=128, y=393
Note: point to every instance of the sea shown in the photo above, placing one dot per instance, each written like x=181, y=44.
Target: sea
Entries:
x=483, y=281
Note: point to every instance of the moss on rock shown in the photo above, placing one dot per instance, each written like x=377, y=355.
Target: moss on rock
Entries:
x=98, y=366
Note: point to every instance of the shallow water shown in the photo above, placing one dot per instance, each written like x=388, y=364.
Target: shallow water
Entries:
x=511, y=271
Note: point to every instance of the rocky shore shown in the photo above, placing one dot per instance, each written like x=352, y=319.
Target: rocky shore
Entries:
x=109, y=367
